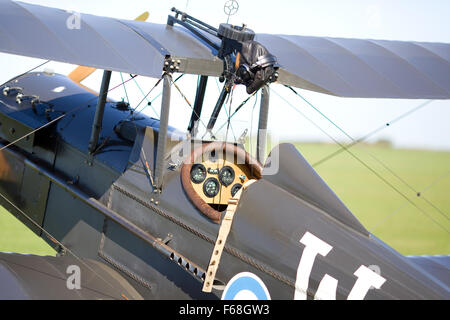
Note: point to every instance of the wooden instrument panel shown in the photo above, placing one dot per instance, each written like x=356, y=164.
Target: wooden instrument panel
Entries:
x=213, y=168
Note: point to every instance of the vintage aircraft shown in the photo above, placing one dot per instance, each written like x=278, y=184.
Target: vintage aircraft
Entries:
x=139, y=210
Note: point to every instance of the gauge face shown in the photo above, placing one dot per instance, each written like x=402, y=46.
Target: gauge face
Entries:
x=198, y=173
x=226, y=176
x=211, y=187
x=235, y=189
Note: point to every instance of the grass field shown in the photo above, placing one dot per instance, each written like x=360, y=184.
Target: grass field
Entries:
x=411, y=228
x=419, y=227
x=16, y=237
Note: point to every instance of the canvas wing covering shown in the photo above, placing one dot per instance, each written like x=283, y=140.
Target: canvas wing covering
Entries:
x=336, y=66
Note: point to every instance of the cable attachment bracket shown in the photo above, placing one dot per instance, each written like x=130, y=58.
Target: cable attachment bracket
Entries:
x=171, y=65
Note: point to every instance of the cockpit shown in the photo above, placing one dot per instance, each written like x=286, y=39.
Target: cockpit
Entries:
x=214, y=173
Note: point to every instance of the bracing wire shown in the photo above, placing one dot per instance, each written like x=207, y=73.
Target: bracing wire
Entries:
x=133, y=113
x=150, y=102
x=420, y=193
x=26, y=72
x=229, y=126
x=124, y=88
x=34, y=131
x=79, y=107
x=40, y=128
x=188, y=103
x=54, y=239
x=228, y=113
x=363, y=163
x=356, y=141
x=237, y=110
x=370, y=134
x=145, y=97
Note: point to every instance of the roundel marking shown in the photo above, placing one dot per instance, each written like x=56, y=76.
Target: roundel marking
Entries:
x=246, y=286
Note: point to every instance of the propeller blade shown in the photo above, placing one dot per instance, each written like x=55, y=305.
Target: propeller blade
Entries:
x=80, y=73
x=143, y=17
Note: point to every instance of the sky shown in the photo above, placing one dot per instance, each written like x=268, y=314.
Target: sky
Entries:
x=405, y=20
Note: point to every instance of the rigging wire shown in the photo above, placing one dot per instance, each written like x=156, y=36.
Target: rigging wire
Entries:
x=146, y=164
x=159, y=95
x=435, y=182
x=47, y=124
x=421, y=192
x=237, y=110
x=55, y=240
x=368, y=135
x=363, y=163
x=26, y=72
x=34, y=131
x=125, y=88
x=131, y=115
x=354, y=142
x=156, y=97
x=229, y=126
x=228, y=114
x=40, y=128
x=81, y=106
x=188, y=103
x=145, y=96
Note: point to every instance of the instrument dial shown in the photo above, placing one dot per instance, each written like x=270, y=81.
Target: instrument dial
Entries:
x=198, y=173
x=226, y=176
x=211, y=187
x=235, y=189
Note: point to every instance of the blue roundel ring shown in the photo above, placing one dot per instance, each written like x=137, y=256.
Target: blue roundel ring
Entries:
x=246, y=283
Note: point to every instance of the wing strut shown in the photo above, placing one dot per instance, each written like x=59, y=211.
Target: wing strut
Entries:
x=98, y=119
x=217, y=108
x=262, y=127
x=162, y=134
x=198, y=105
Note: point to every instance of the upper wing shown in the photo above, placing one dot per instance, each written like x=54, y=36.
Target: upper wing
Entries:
x=363, y=68
x=342, y=67
x=82, y=72
x=105, y=43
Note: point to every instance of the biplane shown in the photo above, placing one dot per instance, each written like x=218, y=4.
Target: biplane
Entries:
x=137, y=209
